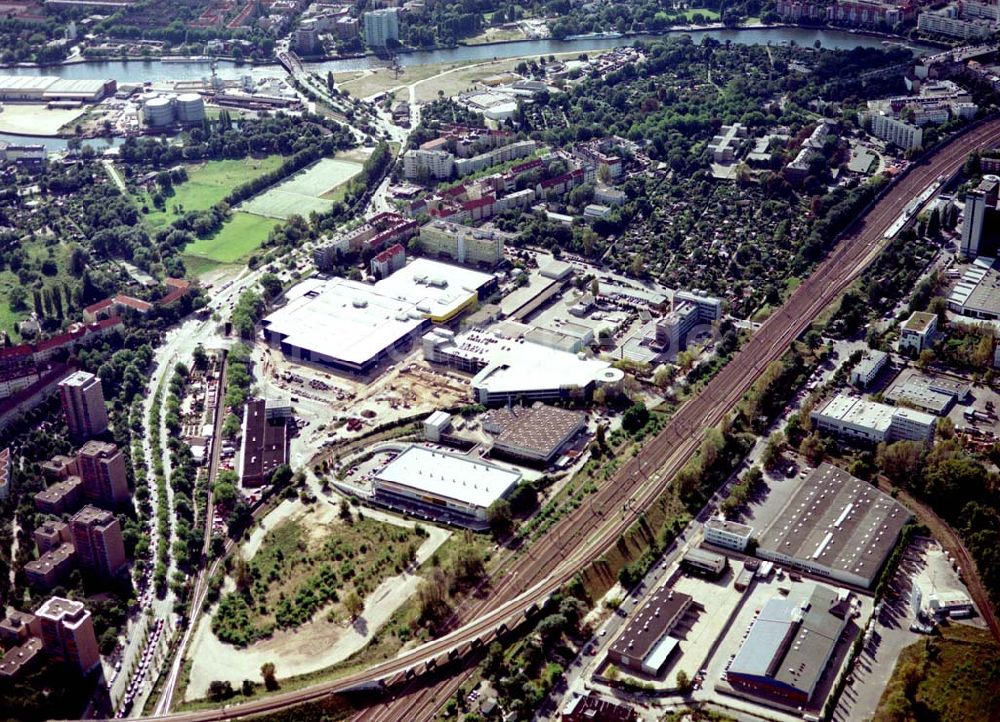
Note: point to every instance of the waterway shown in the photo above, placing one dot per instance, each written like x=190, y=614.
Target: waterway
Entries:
x=138, y=71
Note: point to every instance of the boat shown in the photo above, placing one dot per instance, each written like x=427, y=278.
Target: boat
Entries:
x=186, y=59
x=609, y=35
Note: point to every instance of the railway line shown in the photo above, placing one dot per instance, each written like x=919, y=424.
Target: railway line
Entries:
x=583, y=535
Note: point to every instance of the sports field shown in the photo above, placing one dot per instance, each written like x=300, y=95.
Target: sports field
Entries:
x=239, y=237
x=303, y=192
x=207, y=184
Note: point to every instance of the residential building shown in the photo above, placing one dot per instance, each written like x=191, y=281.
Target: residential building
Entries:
x=898, y=132
x=946, y=21
x=725, y=146
x=51, y=534
x=868, y=368
x=52, y=567
x=918, y=331
x=381, y=27
x=837, y=526
x=97, y=537
x=463, y=244
x=102, y=468
x=382, y=229
x=789, y=646
x=83, y=404
x=21, y=659
x=389, y=261
x=67, y=633
x=728, y=534
x=871, y=422
x=61, y=497
x=646, y=643
x=420, y=164
x=18, y=627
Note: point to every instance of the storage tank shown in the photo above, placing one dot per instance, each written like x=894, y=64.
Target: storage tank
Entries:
x=190, y=108
x=158, y=112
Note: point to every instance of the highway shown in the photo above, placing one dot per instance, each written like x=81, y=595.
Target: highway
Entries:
x=584, y=535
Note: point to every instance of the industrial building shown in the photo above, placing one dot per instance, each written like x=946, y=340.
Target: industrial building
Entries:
x=515, y=370
x=645, y=645
x=464, y=244
x=436, y=425
x=265, y=441
x=704, y=562
x=868, y=368
x=931, y=393
x=835, y=525
x=451, y=488
x=871, y=422
x=789, y=646
x=163, y=111
x=352, y=326
x=535, y=434
x=728, y=534
x=918, y=331
x=977, y=293
x=83, y=404
x=49, y=88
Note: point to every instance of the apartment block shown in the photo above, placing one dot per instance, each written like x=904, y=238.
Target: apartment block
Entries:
x=102, y=469
x=83, y=403
x=464, y=244
x=67, y=633
x=61, y=497
x=97, y=536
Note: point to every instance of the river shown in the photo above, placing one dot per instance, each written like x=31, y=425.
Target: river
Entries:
x=138, y=71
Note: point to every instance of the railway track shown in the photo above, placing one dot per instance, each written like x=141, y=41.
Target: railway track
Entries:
x=586, y=533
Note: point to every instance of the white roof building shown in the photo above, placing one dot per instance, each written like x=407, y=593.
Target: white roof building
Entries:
x=872, y=422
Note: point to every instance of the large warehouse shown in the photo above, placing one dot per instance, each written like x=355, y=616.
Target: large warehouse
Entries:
x=351, y=326
x=48, y=88
x=835, y=525
x=536, y=434
x=451, y=488
x=789, y=646
x=646, y=644
x=512, y=370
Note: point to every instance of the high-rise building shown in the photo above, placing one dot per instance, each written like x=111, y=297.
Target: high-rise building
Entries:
x=83, y=403
x=102, y=468
x=381, y=26
x=97, y=537
x=977, y=202
x=68, y=633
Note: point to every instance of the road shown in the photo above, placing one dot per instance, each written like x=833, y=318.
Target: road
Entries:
x=585, y=534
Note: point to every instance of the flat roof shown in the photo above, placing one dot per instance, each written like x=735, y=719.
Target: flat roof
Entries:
x=859, y=412
x=438, y=290
x=730, y=527
x=919, y=321
x=921, y=396
x=651, y=623
x=265, y=442
x=449, y=476
x=837, y=521
x=872, y=359
x=791, y=640
x=539, y=428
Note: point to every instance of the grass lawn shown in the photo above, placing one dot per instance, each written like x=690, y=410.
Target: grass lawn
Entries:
x=710, y=15
x=37, y=251
x=207, y=184
x=239, y=237
x=952, y=678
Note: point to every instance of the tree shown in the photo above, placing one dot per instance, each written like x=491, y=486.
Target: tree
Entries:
x=219, y=690
x=635, y=417
x=813, y=448
x=267, y=671
x=926, y=359
x=772, y=451
x=901, y=462
x=683, y=682
x=354, y=604
x=595, y=288
x=499, y=517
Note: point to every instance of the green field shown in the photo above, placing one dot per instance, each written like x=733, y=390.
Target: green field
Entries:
x=709, y=15
x=239, y=237
x=304, y=192
x=207, y=184
x=951, y=678
x=37, y=251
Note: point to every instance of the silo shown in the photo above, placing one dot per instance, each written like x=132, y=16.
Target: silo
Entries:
x=158, y=112
x=190, y=108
